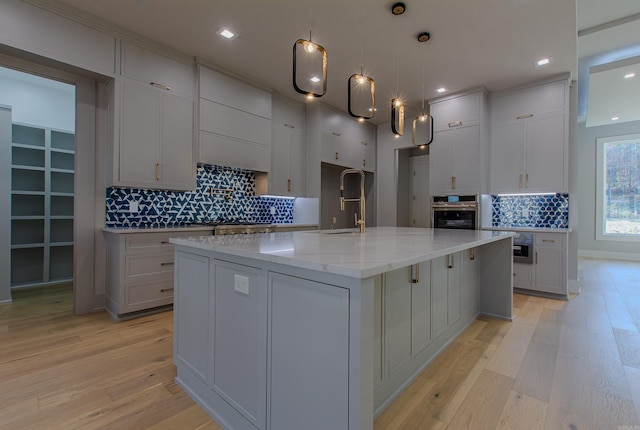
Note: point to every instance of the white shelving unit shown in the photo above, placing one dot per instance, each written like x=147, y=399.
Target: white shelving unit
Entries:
x=42, y=200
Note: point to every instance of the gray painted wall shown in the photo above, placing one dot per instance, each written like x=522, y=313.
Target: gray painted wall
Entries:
x=588, y=245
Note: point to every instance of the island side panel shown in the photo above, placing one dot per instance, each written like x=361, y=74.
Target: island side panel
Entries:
x=496, y=279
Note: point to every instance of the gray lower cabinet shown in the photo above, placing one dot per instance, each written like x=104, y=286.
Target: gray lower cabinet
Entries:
x=309, y=325
x=140, y=270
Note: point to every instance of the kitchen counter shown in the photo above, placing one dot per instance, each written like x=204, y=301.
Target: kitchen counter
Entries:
x=346, y=252
x=125, y=230
x=323, y=329
x=530, y=229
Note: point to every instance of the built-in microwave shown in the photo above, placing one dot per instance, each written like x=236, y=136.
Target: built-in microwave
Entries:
x=455, y=212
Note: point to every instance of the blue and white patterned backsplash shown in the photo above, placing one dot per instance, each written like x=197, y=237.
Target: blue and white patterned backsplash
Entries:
x=174, y=208
x=537, y=211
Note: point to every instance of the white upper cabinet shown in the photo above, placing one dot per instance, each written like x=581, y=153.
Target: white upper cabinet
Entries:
x=457, y=153
x=287, y=175
x=234, y=122
x=530, y=135
x=33, y=29
x=156, y=147
x=346, y=142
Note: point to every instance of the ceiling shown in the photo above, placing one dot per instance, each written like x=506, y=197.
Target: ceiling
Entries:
x=491, y=43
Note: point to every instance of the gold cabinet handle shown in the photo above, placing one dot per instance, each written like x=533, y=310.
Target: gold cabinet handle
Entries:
x=536, y=257
x=455, y=124
x=335, y=133
x=164, y=242
x=162, y=87
x=289, y=185
x=527, y=181
x=364, y=163
x=453, y=182
x=415, y=273
x=549, y=240
x=363, y=143
x=157, y=171
x=289, y=126
x=472, y=254
x=336, y=155
x=520, y=183
x=528, y=115
x=168, y=263
x=164, y=290
x=450, y=261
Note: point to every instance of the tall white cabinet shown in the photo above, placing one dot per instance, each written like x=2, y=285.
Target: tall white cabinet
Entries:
x=458, y=151
x=530, y=138
x=288, y=149
x=155, y=147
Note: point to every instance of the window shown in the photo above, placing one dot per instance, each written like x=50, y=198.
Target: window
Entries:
x=618, y=188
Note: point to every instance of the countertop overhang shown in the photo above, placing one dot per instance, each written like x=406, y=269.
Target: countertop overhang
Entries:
x=347, y=252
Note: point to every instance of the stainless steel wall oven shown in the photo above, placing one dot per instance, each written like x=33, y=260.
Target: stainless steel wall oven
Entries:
x=455, y=212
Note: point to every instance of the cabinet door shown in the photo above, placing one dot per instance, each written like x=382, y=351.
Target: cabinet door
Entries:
x=308, y=323
x=454, y=288
x=177, y=163
x=463, y=109
x=192, y=296
x=470, y=280
x=439, y=309
x=441, y=162
x=397, y=317
x=522, y=275
x=287, y=162
x=549, y=270
x=421, y=308
x=331, y=150
x=240, y=339
x=465, y=159
x=139, y=134
x=545, y=154
x=506, y=158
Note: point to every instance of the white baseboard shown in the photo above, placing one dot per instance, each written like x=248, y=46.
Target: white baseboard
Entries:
x=607, y=255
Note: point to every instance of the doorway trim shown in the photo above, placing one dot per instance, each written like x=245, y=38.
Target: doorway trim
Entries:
x=89, y=204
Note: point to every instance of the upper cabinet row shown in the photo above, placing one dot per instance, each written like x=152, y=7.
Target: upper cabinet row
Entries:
x=527, y=151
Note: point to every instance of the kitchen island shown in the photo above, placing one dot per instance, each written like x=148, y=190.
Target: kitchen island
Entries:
x=323, y=329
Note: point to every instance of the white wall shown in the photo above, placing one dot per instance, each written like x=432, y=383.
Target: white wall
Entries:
x=588, y=245
x=38, y=101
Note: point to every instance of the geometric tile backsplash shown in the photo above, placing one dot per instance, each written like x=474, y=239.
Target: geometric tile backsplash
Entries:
x=233, y=200
x=539, y=211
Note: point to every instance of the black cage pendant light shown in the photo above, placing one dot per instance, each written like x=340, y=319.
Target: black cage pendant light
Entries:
x=422, y=124
x=309, y=67
x=361, y=89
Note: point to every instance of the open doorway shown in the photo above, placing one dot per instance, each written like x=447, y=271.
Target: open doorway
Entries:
x=40, y=116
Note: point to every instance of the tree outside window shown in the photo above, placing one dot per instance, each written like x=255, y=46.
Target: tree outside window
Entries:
x=618, y=184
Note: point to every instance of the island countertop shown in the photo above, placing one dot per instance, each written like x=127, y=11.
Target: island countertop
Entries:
x=347, y=252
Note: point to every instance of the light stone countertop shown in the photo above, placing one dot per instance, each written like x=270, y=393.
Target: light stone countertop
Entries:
x=125, y=230
x=346, y=252
x=530, y=229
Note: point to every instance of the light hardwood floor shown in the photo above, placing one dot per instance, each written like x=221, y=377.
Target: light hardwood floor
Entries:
x=558, y=365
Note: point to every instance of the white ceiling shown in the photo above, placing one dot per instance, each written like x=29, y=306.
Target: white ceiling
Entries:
x=491, y=43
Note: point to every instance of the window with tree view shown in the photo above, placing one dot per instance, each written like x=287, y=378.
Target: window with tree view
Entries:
x=618, y=188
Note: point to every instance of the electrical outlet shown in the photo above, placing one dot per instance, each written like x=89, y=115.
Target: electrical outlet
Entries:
x=525, y=213
x=273, y=210
x=133, y=207
x=334, y=220
x=241, y=284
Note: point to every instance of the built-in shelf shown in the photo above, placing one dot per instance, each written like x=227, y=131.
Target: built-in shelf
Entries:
x=42, y=205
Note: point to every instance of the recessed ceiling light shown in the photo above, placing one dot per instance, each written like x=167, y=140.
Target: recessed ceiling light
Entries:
x=629, y=75
x=441, y=90
x=543, y=61
x=315, y=79
x=615, y=118
x=227, y=34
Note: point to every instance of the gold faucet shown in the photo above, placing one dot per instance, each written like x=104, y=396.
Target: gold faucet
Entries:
x=359, y=222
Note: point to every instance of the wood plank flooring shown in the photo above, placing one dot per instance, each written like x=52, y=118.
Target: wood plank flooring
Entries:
x=559, y=365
